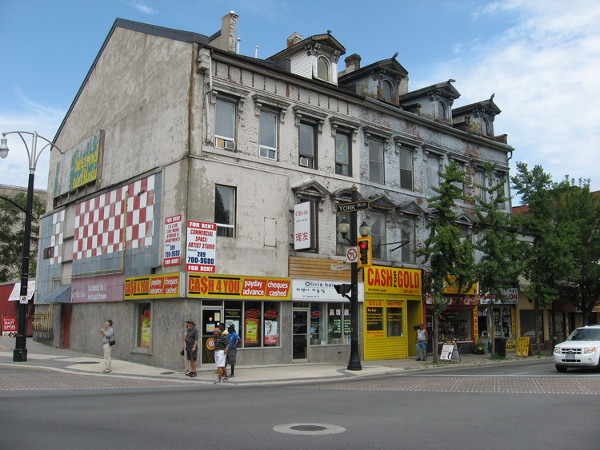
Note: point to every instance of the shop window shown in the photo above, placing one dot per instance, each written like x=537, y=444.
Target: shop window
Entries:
x=252, y=319
x=338, y=323
x=394, y=322
x=318, y=332
x=144, y=325
x=233, y=316
x=225, y=124
x=455, y=324
x=343, y=154
x=225, y=204
x=271, y=324
x=374, y=319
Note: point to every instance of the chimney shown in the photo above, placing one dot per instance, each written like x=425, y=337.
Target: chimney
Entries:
x=293, y=39
x=352, y=62
x=229, y=30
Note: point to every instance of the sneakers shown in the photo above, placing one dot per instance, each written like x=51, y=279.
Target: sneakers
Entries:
x=106, y=371
x=186, y=372
x=193, y=375
x=225, y=378
x=217, y=381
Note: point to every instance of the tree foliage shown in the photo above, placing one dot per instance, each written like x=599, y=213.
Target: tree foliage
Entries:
x=582, y=209
x=445, y=252
x=12, y=230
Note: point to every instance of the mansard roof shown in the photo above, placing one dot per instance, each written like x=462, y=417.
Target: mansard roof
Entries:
x=386, y=65
x=445, y=89
x=488, y=106
x=311, y=189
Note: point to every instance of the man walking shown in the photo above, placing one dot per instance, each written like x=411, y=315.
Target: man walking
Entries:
x=190, y=342
x=108, y=336
x=422, y=343
x=222, y=347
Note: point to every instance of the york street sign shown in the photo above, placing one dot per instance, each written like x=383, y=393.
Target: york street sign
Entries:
x=351, y=207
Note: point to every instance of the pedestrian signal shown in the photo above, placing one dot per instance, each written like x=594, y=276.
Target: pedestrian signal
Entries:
x=365, y=251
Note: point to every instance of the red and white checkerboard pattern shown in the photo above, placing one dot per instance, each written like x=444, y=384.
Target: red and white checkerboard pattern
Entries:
x=124, y=215
x=56, y=238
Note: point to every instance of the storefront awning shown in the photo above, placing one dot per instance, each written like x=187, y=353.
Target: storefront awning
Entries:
x=61, y=295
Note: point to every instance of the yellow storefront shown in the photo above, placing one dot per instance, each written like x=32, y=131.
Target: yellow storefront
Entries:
x=392, y=309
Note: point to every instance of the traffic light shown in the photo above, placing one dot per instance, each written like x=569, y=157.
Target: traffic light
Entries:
x=342, y=289
x=365, y=251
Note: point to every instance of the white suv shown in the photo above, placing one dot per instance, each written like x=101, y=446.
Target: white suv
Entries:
x=581, y=349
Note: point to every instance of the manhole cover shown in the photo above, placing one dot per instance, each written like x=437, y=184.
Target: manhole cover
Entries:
x=312, y=429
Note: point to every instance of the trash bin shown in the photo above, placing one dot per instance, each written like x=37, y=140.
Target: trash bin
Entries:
x=500, y=344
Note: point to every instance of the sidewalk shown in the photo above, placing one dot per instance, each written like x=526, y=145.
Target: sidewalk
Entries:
x=41, y=356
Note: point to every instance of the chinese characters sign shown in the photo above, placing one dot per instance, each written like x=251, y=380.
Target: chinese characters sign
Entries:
x=302, y=237
x=201, y=247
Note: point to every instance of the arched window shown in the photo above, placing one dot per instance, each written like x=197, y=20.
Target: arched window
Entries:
x=323, y=69
x=387, y=91
x=441, y=111
x=487, y=127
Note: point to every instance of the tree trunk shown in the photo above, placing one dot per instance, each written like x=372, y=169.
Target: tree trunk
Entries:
x=535, y=326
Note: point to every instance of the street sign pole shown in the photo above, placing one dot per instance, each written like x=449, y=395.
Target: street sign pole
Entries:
x=354, y=362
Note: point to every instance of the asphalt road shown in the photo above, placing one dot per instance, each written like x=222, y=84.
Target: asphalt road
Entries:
x=524, y=405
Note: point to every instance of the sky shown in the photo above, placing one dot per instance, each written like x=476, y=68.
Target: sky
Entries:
x=540, y=58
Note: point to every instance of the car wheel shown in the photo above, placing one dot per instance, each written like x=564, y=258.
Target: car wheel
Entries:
x=560, y=369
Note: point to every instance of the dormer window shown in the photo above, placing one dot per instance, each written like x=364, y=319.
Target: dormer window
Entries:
x=323, y=69
x=387, y=91
x=442, y=111
x=488, y=129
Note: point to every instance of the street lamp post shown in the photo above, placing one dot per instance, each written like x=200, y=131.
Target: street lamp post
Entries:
x=20, y=351
x=354, y=362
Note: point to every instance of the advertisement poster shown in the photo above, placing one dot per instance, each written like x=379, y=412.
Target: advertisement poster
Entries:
x=201, y=250
x=105, y=288
x=251, y=331
x=146, y=329
x=9, y=326
x=271, y=332
x=172, y=248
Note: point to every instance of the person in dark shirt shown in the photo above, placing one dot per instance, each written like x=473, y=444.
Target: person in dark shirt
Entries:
x=222, y=347
x=234, y=340
x=190, y=341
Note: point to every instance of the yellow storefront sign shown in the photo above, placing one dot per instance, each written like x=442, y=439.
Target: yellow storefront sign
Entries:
x=392, y=280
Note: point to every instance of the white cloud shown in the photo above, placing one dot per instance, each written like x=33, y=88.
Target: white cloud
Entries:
x=544, y=72
x=140, y=6
x=14, y=170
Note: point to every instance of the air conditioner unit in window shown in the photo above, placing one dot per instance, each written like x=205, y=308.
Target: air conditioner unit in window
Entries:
x=304, y=162
x=227, y=144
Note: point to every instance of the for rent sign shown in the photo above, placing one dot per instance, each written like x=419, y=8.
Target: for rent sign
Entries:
x=201, y=247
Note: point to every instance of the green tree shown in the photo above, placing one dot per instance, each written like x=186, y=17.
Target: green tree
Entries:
x=12, y=229
x=548, y=259
x=501, y=252
x=582, y=208
x=445, y=252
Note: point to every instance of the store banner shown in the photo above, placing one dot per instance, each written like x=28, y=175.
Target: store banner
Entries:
x=153, y=286
x=232, y=286
x=9, y=325
x=452, y=287
x=511, y=297
x=304, y=290
x=104, y=288
x=16, y=292
x=392, y=280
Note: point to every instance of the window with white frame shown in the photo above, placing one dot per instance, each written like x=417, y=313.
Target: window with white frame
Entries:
x=480, y=184
x=343, y=155
x=225, y=210
x=378, y=234
x=225, y=112
x=267, y=135
x=323, y=69
x=406, y=168
x=376, y=160
x=307, y=145
x=407, y=232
